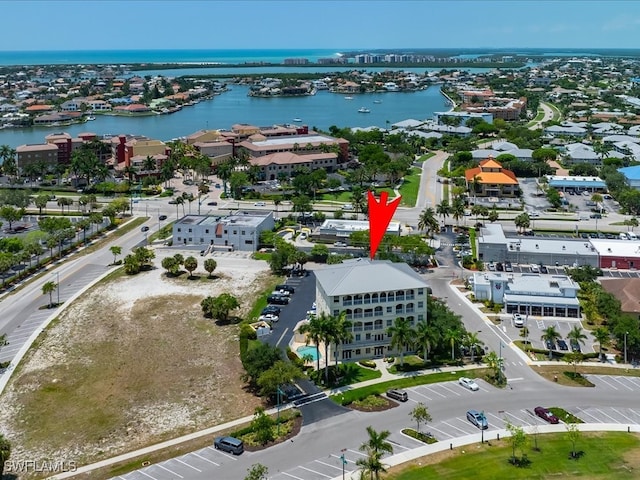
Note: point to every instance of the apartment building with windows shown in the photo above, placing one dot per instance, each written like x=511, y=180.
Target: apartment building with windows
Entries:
x=373, y=294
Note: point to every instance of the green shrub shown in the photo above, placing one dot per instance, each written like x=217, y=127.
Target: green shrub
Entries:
x=367, y=363
x=422, y=437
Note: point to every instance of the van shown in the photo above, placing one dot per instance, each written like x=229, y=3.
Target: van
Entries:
x=632, y=236
x=399, y=395
x=229, y=445
x=623, y=236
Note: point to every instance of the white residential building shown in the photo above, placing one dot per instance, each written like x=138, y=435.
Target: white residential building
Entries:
x=373, y=294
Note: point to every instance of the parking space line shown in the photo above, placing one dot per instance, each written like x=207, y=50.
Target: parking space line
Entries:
x=422, y=395
x=605, y=382
x=623, y=415
x=399, y=445
x=437, y=393
x=617, y=379
x=313, y=471
x=205, y=459
x=584, y=412
x=606, y=415
x=456, y=428
x=223, y=454
x=185, y=463
x=357, y=452
x=292, y=476
x=452, y=391
x=329, y=465
x=146, y=474
x=170, y=471
x=521, y=420
x=631, y=380
x=448, y=435
x=494, y=416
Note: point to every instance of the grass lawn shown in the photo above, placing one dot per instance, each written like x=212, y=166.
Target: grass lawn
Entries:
x=349, y=373
x=410, y=186
x=606, y=455
x=261, y=301
x=359, y=393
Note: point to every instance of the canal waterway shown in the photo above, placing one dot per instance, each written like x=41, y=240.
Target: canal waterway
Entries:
x=317, y=111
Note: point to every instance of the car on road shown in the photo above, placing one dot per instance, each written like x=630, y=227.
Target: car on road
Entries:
x=217, y=185
x=269, y=317
x=278, y=299
x=562, y=345
x=286, y=288
x=229, y=445
x=347, y=206
x=518, y=321
x=144, y=229
x=546, y=415
x=259, y=204
x=468, y=383
x=212, y=203
x=478, y=419
x=172, y=202
x=340, y=244
x=270, y=310
x=162, y=217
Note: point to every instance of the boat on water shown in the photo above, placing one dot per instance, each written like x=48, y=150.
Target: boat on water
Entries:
x=348, y=98
x=364, y=110
x=377, y=101
x=297, y=119
x=91, y=117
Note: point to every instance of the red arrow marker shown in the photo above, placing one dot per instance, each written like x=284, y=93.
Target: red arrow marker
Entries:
x=380, y=215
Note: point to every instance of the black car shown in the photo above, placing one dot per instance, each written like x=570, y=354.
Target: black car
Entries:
x=278, y=300
x=575, y=346
x=144, y=229
x=162, y=217
x=549, y=344
x=212, y=203
x=562, y=345
x=499, y=267
x=286, y=288
x=543, y=269
x=271, y=309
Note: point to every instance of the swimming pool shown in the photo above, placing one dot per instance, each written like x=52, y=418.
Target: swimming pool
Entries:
x=308, y=350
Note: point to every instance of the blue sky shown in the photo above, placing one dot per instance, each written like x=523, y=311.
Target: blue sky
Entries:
x=323, y=24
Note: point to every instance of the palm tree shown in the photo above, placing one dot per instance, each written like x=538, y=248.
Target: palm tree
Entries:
x=48, y=289
x=425, y=337
x=276, y=203
x=179, y=201
x=427, y=221
x=475, y=182
x=522, y=221
x=452, y=336
x=551, y=335
x=602, y=336
x=341, y=332
x=472, y=341
x=402, y=335
x=576, y=335
x=371, y=466
x=457, y=209
x=494, y=362
x=314, y=332
x=115, y=251
x=443, y=209
x=377, y=442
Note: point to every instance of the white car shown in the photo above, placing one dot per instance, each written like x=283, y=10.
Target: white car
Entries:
x=269, y=317
x=282, y=293
x=535, y=269
x=468, y=383
x=339, y=244
x=518, y=321
x=259, y=204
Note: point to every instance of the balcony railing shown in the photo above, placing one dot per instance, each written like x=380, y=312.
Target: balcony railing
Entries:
x=347, y=303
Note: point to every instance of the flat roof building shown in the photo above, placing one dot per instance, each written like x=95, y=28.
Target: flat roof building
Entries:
x=529, y=294
x=344, y=228
x=591, y=184
x=239, y=230
x=372, y=294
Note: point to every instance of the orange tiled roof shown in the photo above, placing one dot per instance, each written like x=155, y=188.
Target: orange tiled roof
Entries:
x=490, y=163
x=39, y=108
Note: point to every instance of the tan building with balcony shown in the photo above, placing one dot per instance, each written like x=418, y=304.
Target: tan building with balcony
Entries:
x=373, y=294
x=46, y=154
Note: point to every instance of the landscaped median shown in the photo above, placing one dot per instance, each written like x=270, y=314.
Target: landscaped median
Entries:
x=345, y=395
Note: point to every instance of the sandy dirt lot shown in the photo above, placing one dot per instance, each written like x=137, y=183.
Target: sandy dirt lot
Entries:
x=131, y=363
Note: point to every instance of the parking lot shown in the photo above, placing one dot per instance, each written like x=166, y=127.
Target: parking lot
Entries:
x=560, y=270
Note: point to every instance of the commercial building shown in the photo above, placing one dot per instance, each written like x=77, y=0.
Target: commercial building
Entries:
x=590, y=184
x=341, y=229
x=36, y=154
x=271, y=166
x=489, y=179
x=494, y=246
x=529, y=294
x=632, y=174
x=239, y=230
x=261, y=146
x=621, y=254
x=372, y=294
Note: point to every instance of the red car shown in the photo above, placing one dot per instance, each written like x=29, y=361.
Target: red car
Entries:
x=546, y=415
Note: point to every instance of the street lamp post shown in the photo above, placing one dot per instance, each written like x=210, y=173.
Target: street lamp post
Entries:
x=58, y=287
x=482, y=418
x=625, y=347
x=344, y=461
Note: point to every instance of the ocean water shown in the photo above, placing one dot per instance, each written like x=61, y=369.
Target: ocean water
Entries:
x=235, y=106
x=79, y=57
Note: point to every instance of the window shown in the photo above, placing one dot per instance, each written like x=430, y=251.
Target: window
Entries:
x=235, y=232
x=357, y=337
x=225, y=232
x=336, y=299
x=190, y=239
x=248, y=242
x=242, y=233
x=201, y=240
x=357, y=351
x=367, y=336
x=190, y=230
x=336, y=313
x=367, y=351
x=420, y=304
x=206, y=230
x=179, y=229
x=179, y=239
x=389, y=309
x=389, y=323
